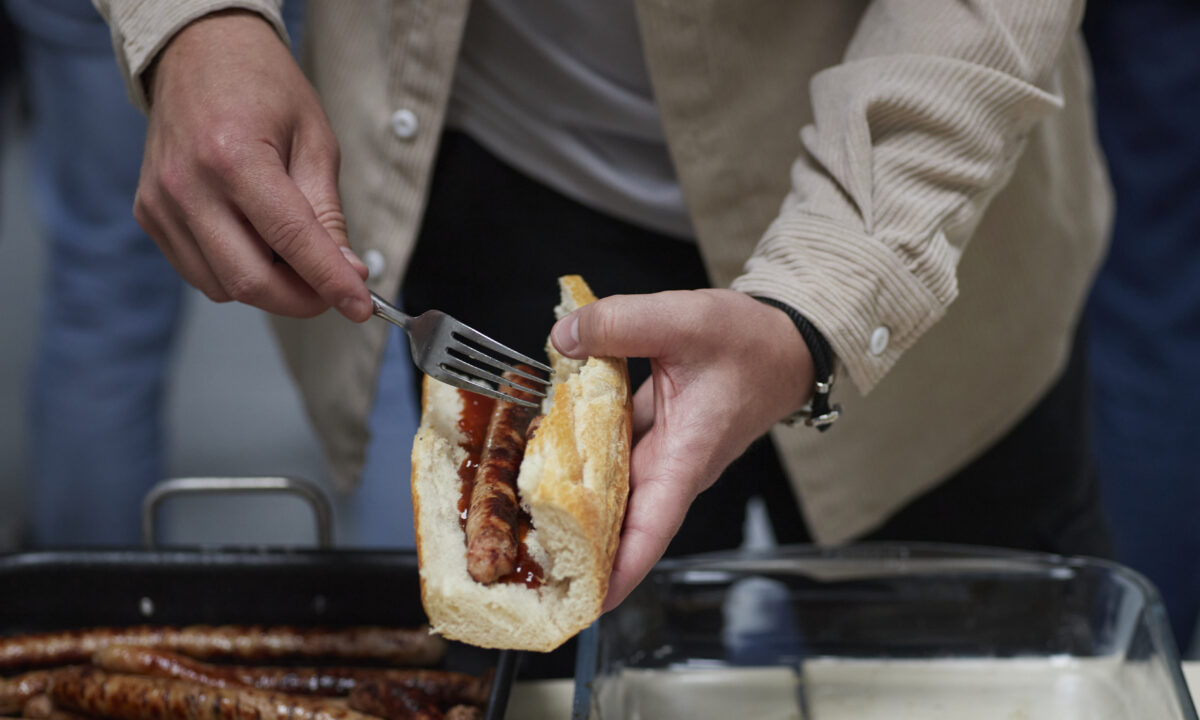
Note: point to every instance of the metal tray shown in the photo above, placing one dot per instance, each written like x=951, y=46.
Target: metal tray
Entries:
x=62, y=590
x=884, y=631
x=47, y=591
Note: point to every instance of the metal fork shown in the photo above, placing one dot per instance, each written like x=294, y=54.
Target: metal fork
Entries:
x=456, y=354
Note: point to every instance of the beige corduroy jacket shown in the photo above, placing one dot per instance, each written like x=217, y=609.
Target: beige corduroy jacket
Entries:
x=920, y=178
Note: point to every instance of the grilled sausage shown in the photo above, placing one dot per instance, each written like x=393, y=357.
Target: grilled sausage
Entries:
x=376, y=697
x=407, y=646
x=43, y=708
x=534, y=424
x=326, y=681
x=132, y=697
x=408, y=702
x=413, y=705
x=394, y=703
x=16, y=691
x=492, y=518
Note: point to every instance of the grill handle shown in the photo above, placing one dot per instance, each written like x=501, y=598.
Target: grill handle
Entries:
x=298, y=487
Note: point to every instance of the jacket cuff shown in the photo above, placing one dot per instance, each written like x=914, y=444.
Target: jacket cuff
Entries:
x=857, y=292
x=142, y=28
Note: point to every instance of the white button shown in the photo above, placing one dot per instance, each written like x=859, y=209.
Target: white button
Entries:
x=879, y=340
x=373, y=259
x=404, y=123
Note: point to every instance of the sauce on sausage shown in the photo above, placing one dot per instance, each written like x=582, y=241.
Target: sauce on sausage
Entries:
x=527, y=571
x=473, y=423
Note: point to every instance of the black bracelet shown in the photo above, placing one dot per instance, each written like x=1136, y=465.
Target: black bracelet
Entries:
x=818, y=412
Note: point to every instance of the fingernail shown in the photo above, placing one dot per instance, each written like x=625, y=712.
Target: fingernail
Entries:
x=354, y=260
x=566, y=334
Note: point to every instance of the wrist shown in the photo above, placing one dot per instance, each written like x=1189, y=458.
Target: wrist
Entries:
x=819, y=412
x=201, y=35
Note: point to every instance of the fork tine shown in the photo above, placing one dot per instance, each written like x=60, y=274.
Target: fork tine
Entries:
x=467, y=333
x=474, y=371
x=464, y=349
x=460, y=381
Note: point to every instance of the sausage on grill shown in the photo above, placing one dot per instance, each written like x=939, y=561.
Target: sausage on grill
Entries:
x=492, y=518
x=327, y=681
x=16, y=691
x=132, y=697
x=395, y=701
x=406, y=646
x=43, y=708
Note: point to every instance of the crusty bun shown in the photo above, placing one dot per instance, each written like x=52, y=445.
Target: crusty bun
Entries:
x=573, y=482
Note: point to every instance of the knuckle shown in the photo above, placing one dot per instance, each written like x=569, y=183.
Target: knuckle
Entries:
x=600, y=322
x=221, y=150
x=334, y=152
x=142, y=209
x=174, y=178
x=696, y=311
x=248, y=288
x=320, y=142
x=330, y=153
x=285, y=235
x=215, y=294
x=328, y=281
x=329, y=214
x=705, y=306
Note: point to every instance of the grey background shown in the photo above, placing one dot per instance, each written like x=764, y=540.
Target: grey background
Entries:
x=232, y=409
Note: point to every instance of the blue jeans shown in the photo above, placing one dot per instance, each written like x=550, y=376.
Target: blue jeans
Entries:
x=112, y=302
x=1144, y=312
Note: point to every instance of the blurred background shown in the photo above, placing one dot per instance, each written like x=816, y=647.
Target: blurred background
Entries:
x=113, y=373
x=231, y=408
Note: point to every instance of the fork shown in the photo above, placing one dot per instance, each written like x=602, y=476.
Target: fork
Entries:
x=456, y=354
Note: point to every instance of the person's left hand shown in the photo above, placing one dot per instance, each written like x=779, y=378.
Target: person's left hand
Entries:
x=724, y=368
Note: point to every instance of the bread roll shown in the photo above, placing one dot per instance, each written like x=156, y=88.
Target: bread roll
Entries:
x=573, y=482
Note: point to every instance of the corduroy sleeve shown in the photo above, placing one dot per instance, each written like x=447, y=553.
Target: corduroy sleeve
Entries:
x=141, y=28
x=912, y=135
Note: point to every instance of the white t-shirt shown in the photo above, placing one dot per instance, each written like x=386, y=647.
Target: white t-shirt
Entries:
x=559, y=90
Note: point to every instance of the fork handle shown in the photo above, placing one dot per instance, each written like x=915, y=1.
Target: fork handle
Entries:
x=389, y=312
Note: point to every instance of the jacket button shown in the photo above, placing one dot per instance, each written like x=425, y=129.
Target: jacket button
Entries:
x=373, y=259
x=404, y=123
x=879, y=340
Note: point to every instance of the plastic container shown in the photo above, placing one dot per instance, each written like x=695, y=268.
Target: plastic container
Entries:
x=884, y=631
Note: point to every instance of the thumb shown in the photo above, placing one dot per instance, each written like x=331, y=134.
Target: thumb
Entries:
x=328, y=209
x=619, y=326
x=315, y=172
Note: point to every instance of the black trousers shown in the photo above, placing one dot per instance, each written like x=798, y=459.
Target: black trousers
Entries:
x=491, y=245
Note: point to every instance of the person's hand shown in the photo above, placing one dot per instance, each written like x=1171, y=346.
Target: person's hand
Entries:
x=239, y=179
x=724, y=368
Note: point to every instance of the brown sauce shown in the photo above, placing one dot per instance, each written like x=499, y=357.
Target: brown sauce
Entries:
x=526, y=571
x=473, y=423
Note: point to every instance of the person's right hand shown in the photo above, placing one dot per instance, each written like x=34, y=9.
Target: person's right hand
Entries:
x=239, y=178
